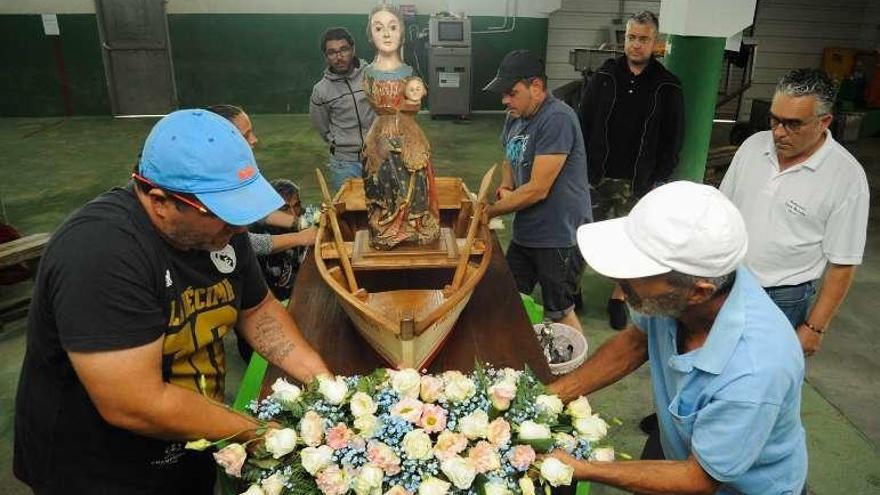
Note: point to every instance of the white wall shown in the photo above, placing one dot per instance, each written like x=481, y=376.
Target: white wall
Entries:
x=520, y=8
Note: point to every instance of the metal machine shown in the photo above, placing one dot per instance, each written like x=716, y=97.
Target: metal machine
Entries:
x=449, y=65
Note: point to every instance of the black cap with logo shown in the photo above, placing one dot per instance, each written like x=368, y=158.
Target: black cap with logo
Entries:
x=516, y=66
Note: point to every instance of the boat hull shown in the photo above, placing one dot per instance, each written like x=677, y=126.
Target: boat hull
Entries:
x=405, y=308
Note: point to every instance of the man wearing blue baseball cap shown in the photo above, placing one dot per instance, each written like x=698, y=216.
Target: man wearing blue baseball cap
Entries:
x=135, y=292
x=726, y=368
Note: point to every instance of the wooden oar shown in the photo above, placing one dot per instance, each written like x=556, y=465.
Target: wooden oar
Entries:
x=337, y=235
x=472, y=232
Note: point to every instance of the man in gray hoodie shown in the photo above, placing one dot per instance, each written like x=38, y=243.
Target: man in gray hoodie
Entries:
x=338, y=107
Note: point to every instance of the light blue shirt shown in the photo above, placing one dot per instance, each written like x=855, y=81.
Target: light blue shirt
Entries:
x=735, y=402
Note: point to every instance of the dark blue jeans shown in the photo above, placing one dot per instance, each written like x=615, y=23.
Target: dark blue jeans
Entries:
x=794, y=300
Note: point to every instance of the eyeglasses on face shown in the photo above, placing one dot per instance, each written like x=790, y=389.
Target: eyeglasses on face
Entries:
x=790, y=125
x=345, y=50
x=183, y=199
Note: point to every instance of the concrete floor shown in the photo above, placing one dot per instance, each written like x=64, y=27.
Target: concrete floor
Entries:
x=51, y=166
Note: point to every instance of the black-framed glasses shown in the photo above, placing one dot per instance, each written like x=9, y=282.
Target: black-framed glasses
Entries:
x=790, y=125
x=183, y=199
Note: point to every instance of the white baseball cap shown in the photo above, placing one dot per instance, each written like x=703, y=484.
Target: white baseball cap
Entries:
x=683, y=226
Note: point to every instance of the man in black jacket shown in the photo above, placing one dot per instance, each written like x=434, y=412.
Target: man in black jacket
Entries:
x=632, y=117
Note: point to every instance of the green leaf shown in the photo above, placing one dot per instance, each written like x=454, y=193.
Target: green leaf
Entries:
x=265, y=463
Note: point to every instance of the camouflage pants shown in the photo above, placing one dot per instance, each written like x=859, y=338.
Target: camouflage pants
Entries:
x=612, y=198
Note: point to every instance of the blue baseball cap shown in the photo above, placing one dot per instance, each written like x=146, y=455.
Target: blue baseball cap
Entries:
x=201, y=153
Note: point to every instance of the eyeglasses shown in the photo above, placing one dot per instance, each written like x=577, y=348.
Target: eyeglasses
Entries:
x=345, y=50
x=790, y=125
x=642, y=40
x=183, y=199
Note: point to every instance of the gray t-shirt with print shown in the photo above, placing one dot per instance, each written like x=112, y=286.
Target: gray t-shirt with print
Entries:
x=553, y=221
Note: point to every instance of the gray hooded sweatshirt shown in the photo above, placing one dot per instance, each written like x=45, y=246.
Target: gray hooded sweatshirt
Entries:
x=340, y=112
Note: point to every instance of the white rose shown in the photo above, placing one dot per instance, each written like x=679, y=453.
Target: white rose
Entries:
x=431, y=389
x=496, y=488
x=280, y=442
x=550, y=405
x=368, y=480
x=458, y=388
x=311, y=428
x=406, y=382
x=556, y=472
x=529, y=430
x=602, y=454
x=285, y=392
x=273, y=485
x=475, y=425
x=433, y=486
x=362, y=404
x=501, y=394
x=314, y=459
x=417, y=445
x=579, y=408
x=592, y=428
x=565, y=441
x=527, y=485
x=511, y=375
x=460, y=471
x=366, y=425
x=333, y=389
x=254, y=490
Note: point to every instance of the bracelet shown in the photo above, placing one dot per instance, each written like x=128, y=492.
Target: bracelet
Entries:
x=809, y=325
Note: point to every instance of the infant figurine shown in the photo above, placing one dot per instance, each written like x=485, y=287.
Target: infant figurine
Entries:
x=413, y=92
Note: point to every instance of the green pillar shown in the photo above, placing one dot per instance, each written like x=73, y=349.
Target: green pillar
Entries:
x=696, y=60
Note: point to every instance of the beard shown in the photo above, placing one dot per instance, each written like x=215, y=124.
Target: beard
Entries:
x=669, y=305
x=187, y=239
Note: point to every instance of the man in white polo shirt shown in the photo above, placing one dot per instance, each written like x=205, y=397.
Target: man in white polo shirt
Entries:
x=805, y=201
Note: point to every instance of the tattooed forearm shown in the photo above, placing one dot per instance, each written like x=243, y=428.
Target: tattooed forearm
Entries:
x=270, y=340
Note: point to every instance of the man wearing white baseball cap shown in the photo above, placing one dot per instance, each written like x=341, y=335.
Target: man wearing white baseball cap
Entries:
x=134, y=294
x=726, y=368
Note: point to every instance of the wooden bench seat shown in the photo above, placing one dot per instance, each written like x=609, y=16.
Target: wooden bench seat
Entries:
x=24, y=249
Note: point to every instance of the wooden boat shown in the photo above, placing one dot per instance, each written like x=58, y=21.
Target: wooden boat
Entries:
x=404, y=301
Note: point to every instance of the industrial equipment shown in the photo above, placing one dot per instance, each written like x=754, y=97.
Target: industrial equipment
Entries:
x=449, y=65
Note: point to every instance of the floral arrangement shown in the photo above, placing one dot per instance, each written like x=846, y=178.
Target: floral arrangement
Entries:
x=406, y=433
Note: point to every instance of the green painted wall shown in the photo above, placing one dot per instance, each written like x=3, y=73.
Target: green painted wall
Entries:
x=264, y=62
x=29, y=82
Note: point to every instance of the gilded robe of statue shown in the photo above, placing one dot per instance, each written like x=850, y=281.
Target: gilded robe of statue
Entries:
x=401, y=196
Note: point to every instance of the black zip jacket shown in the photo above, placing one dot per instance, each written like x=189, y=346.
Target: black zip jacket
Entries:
x=662, y=131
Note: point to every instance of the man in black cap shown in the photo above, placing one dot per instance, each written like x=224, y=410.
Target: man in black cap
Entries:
x=544, y=180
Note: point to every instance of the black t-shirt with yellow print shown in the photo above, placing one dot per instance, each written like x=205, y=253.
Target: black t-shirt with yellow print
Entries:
x=108, y=281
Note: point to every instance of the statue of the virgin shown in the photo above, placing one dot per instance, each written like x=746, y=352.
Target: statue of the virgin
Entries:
x=401, y=196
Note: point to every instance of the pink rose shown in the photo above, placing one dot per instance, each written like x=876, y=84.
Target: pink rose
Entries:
x=431, y=389
x=332, y=481
x=381, y=456
x=433, y=419
x=522, y=456
x=484, y=456
x=499, y=432
x=231, y=458
x=449, y=444
x=408, y=409
x=339, y=436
